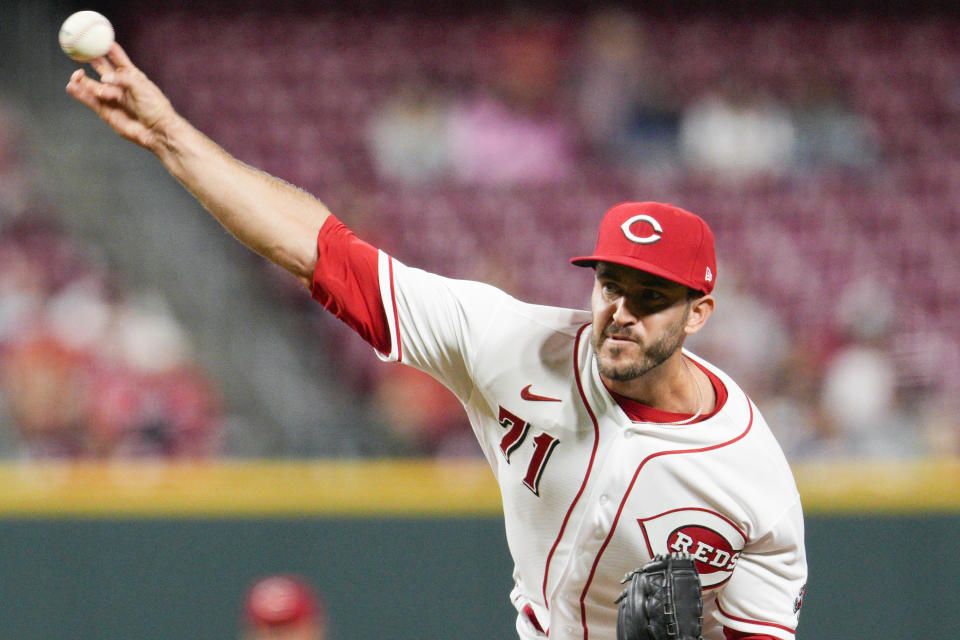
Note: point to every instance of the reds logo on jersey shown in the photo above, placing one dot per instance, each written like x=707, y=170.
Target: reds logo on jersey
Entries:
x=714, y=541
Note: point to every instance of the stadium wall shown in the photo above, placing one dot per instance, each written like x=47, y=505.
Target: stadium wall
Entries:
x=406, y=550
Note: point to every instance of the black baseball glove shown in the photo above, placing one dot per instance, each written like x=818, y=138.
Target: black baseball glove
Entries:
x=662, y=601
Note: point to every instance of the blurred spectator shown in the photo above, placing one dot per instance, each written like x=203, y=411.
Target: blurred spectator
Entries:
x=86, y=371
x=744, y=333
x=624, y=102
x=493, y=144
x=22, y=287
x=860, y=382
x=512, y=132
x=169, y=414
x=793, y=404
x=282, y=607
x=46, y=387
x=830, y=133
x=779, y=372
x=859, y=390
x=425, y=417
x=407, y=135
x=738, y=133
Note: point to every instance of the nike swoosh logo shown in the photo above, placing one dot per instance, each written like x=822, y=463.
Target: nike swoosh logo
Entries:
x=527, y=395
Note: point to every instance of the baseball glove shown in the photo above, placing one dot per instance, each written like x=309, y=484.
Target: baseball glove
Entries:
x=662, y=601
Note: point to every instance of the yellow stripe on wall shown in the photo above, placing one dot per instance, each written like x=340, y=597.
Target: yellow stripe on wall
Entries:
x=395, y=488
x=876, y=486
x=248, y=488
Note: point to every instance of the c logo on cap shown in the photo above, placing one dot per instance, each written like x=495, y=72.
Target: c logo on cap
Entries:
x=632, y=237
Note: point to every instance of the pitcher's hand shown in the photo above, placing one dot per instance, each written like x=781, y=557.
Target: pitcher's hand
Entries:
x=124, y=98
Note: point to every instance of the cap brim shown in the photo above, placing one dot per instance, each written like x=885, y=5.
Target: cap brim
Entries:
x=640, y=265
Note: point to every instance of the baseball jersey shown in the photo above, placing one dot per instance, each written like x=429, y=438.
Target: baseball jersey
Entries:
x=588, y=494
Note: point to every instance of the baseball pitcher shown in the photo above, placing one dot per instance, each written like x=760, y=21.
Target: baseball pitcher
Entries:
x=617, y=451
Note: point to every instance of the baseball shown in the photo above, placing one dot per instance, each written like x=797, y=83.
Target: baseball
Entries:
x=86, y=35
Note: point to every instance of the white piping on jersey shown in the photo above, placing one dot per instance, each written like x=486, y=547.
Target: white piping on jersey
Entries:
x=385, y=275
x=759, y=622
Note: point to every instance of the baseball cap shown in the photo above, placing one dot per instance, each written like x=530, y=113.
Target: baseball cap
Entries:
x=280, y=600
x=657, y=238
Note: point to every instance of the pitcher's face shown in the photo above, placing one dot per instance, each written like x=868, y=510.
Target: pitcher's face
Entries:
x=639, y=320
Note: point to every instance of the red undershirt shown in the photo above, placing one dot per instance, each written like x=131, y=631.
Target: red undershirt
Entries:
x=346, y=282
x=642, y=413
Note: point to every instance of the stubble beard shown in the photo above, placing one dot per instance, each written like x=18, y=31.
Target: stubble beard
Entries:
x=650, y=358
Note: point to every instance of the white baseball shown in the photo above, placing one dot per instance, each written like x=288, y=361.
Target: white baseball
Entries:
x=86, y=35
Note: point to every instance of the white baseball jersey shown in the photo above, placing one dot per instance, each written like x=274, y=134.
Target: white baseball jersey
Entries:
x=588, y=494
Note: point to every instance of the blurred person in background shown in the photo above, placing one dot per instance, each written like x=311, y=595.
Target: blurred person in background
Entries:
x=625, y=105
x=86, y=369
x=514, y=133
x=752, y=337
x=149, y=398
x=282, y=607
x=738, y=132
x=748, y=335
x=793, y=403
x=422, y=414
x=408, y=134
x=106, y=399
x=46, y=387
x=860, y=385
x=831, y=134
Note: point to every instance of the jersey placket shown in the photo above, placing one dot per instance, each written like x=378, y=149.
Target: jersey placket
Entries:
x=602, y=498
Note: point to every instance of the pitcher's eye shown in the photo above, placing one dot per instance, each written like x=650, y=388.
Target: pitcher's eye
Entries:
x=652, y=295
x=609, y=289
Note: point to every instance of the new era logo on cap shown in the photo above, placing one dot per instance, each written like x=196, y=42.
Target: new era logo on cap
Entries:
x=658, y=238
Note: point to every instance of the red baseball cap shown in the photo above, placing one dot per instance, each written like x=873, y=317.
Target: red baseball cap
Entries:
x=280, y=600
x=658, y=238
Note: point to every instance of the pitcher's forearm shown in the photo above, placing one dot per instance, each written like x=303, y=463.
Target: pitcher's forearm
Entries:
x=270, y=216
x=273, y=218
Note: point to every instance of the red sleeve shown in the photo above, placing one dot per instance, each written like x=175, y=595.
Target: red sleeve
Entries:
x=730, y=634
x=346, y=283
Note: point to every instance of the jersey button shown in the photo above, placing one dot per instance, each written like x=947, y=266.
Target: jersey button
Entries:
x=604, y=499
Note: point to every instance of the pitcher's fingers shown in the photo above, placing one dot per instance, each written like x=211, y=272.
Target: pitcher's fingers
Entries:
x=82, y=95
x=76, y=76
x=79, y=83
x=109, y=93
x=84, y=89
x=124, y=77
x=119, y=57
x=102, y=66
